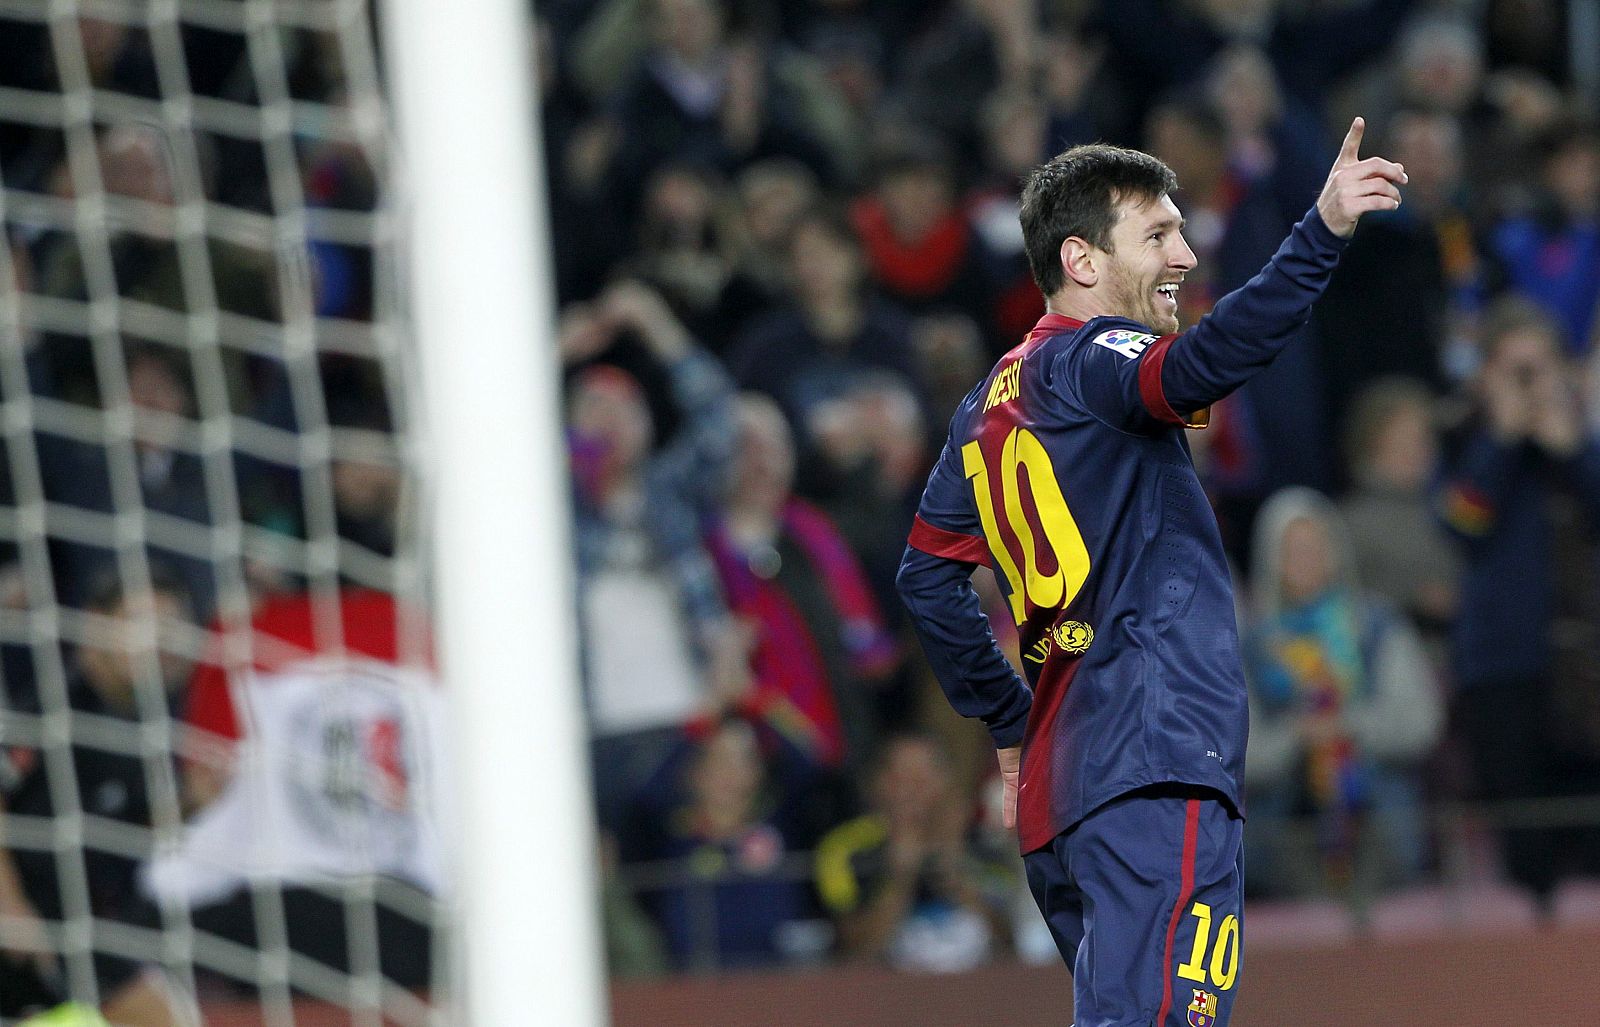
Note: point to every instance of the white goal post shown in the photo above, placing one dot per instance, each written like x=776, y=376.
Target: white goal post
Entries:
x=481, y=291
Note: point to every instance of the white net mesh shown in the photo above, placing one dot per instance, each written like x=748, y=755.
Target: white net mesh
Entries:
x=206, y=425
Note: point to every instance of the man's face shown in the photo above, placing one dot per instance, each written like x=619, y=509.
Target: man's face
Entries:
x=113, y=661
x=823, y=266
x=915, y=200
x=1148, y=259
x=912, y=783
x=764, y=465
x=614, y=413
x=1306, y=561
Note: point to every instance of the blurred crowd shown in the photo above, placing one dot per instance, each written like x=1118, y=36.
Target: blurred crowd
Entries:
x=218, y=717
x=786, y=245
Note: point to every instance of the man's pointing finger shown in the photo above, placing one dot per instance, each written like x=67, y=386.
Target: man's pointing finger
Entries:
x=1348, y=153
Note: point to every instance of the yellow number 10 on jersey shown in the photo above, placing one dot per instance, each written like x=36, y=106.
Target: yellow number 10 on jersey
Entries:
x=1023, y=451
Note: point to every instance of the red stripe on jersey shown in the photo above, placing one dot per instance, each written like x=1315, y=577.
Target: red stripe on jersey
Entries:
x=952, y=545
x=1191, y=840
x=1155, y=398
x=1035, y=795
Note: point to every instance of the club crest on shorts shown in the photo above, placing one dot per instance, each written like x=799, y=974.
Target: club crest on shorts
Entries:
x=1203, y=1010
x=1072, y=636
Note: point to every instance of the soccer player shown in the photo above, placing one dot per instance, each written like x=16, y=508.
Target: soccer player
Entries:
x=1068, y=473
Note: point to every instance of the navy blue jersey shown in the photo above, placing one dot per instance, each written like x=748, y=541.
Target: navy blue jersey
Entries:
x=1067, y=472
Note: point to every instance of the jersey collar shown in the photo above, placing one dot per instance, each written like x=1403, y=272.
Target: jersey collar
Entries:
x=1053, y=324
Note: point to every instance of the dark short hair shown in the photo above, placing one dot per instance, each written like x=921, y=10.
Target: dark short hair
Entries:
x=1076, y=194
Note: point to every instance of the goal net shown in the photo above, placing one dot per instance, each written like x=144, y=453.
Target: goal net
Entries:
x=222, y=737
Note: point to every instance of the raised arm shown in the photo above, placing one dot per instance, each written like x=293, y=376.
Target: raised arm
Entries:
x=1136, y=381
x=1250, y=325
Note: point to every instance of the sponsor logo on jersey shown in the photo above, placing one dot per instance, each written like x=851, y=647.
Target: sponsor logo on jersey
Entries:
x=1203, y=1010
x=1128, y=343
x=1073, y=636
x=1005, y=386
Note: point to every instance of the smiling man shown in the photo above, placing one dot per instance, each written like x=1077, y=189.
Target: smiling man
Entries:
x=1067, y=472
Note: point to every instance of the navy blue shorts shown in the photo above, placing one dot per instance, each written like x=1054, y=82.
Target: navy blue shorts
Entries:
x=1145, y=900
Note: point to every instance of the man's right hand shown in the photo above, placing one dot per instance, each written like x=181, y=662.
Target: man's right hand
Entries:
x=1356, y=186
x=1010, y=772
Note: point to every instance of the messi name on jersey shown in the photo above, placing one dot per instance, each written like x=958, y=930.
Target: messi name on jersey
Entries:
x=1005, y=386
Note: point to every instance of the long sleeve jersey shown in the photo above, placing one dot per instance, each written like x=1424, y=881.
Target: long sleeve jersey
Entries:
x=1068, y=473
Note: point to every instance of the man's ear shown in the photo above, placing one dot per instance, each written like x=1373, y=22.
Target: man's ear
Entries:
x=1079, y=261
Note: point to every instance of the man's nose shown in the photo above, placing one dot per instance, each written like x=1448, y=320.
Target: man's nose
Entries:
x=1184, y=257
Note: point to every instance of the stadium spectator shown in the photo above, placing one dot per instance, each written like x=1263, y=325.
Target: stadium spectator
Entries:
x=731, y=838
x=686, y=250
x=963, y=52
x=1439, y=68
x=315, y=753
x=1016, y=132
x=1271, y=137
x=856, y=46
x=771, y=198
x=366, y=503
x=1084, y=104
x=1406, y=293
x=585, y=225
x=920, y=247
x=1269, y=433
x=701, y=96
x=158, y=472
x=1519, y=493
x=1161, y=45
x=128, y=672
x=812, y=351
x=1400, y=552
x=139, y=258
x=1344, y=708
x=1430, y=147
x=821, y=643
x=1551, y=254
x=338, y=177
x=949, y=351
x=873, y=457
x=659, y=646
x=902, y=882
x=1527, y=112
